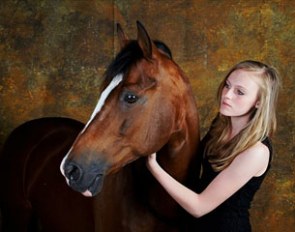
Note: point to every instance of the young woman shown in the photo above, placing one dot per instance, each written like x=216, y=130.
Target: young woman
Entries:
x=236, y=151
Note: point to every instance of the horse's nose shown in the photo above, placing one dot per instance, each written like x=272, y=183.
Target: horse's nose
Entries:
x=73, y=172
x=84, y=178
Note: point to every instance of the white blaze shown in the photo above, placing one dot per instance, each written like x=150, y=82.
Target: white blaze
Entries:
x=104, y=95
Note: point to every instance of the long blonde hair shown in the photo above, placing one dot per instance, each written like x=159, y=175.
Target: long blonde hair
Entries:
x=262, y=123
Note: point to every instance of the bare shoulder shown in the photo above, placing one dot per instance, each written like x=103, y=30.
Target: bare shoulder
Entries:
x=258, y=148
x=256, y=156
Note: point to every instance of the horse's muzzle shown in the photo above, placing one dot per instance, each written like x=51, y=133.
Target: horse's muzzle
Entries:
x=86, y=179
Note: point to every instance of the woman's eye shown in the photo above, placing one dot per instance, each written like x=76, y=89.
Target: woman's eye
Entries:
x=240, y=92
x=130, y=98
x=226, y=85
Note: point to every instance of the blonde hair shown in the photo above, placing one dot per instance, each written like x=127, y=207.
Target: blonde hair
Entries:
x=221, y=151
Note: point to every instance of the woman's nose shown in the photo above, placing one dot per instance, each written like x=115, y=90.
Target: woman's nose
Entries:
x=228, y=93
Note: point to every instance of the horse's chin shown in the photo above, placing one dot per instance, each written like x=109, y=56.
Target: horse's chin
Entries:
x=87, y=193
x=94, y=188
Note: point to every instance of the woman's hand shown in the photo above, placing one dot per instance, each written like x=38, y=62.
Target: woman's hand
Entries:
x=181, y=194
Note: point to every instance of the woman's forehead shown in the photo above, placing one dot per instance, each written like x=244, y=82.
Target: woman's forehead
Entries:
x=244, y=78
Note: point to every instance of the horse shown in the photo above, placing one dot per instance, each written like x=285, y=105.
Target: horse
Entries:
x=146, y=105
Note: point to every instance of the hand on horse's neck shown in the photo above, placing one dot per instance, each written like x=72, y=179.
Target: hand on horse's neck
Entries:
x=173, y=157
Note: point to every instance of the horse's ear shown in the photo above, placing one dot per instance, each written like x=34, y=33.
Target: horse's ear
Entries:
x=144, y=41
x=123, y=39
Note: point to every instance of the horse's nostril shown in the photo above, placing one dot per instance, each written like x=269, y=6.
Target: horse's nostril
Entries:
x=73, y=172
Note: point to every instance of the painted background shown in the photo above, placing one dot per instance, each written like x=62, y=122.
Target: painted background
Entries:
x=53, y=53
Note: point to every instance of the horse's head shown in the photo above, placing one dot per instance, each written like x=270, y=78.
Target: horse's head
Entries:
x=140, y=110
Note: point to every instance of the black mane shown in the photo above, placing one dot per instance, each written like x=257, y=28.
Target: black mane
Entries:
x=164, y=48
x=129, y=56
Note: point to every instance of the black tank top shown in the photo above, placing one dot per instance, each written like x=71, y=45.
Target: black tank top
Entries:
x=233, y=214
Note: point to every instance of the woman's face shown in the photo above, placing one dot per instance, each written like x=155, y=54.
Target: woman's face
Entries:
x=240, y=94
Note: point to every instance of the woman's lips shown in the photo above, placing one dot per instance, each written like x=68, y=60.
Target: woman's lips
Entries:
x=226, y=104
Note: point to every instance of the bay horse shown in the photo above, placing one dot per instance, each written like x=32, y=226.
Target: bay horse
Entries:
x=146, y=105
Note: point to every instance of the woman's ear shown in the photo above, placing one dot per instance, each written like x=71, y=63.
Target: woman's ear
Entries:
x=257, y=104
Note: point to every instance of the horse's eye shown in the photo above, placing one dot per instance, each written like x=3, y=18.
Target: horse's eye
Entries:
x=130, y=98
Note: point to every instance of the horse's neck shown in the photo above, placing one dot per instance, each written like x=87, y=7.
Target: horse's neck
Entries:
x=175, y=157
x=178, y=158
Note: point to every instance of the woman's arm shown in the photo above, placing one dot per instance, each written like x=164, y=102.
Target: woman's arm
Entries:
x=249, y=163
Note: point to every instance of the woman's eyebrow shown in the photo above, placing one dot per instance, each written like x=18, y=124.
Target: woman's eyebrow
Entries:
x=241, y=87
x=236, y=86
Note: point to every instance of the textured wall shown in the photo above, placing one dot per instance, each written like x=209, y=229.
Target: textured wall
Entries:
x=53, y=53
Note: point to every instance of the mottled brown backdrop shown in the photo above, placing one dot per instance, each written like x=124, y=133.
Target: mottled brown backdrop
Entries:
x=54, y=52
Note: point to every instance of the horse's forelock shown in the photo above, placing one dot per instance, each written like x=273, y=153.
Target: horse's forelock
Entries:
x=122, y=63
x=129, y=56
